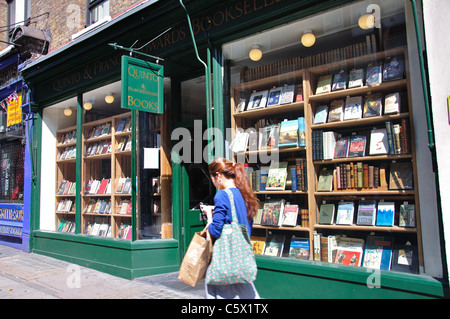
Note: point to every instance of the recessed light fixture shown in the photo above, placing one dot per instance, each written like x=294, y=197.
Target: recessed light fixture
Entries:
x=87, y=105
x=109, y=98
x=67, y=111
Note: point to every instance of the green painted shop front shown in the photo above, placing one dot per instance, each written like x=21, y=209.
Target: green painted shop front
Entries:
x=213, y=23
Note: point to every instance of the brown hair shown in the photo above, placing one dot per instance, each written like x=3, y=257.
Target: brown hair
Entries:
x=236, y=171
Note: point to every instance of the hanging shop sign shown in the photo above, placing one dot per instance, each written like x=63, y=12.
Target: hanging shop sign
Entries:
x=14, y=109
x=142, y=85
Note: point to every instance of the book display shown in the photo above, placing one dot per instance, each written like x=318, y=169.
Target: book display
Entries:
x=106, y=178
x=352, y=182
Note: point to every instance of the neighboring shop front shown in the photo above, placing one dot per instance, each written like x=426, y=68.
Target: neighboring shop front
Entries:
x=118, y=186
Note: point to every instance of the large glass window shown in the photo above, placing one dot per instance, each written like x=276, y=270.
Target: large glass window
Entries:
x=105, y=179
x=323, y=107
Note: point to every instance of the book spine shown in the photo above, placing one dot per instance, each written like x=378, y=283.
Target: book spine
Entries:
x=360, y=175
x=294, y=179
x=390, y=137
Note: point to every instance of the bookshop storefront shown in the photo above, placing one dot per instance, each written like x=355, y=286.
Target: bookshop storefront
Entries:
x=322, y=99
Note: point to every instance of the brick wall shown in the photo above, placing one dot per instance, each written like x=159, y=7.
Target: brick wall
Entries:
x=69, y=17
x=3, y=23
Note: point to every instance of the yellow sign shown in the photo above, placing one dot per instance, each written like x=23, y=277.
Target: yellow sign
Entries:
x=14, y=111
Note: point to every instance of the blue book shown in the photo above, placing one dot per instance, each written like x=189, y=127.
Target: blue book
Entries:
x=378, y=252
x=294, y=178
x=299, y=248
x=301, y=132
x=385, y=214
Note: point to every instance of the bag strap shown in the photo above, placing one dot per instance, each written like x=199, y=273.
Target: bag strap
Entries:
x=233, y=208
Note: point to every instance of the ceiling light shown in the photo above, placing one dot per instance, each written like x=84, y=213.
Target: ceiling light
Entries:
x=87, y=106
x=366, y=21
x=109, y=98
x=67, y=111
x=255, y=53
x=308, y=39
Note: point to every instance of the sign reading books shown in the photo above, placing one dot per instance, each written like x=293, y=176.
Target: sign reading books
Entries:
x=142, y=85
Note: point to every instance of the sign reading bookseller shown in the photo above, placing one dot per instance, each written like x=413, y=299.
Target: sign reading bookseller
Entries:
x=142, y=85
x=11, y=220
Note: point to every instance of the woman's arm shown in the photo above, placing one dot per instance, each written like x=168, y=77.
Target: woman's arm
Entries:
x=221, y=211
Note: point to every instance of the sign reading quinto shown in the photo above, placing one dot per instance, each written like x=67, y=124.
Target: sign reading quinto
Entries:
x=142, y=85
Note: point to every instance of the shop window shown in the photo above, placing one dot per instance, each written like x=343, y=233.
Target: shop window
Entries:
x=105, y=201
x=310, y=110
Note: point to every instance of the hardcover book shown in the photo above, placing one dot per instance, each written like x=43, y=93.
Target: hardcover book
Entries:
x=274, y=97
x=342, y=145
x=324, y=84
x=392, y=103
x=356, y=78
x=274, y=245
x=407, y=216
x=276, y=177
x=299, y=248
x=372, y=106
x=326, y=214
x=405, y=259
x=287, y=94
x=258, y=243
x=258, y=100
x=401, y=176
x=321, y=114
x=345, y=212
x=336, y=112
x=373, y=77
x=385, y=214
x=339, y=81
x=378, y=252
x=353, y=108
x=367, y=210
x=348, y=257
x=290, y=214
x=393, y=69
x=272, y=213
x=357, y=146
x=288, y=136
x=378, y=142
x=325, y=183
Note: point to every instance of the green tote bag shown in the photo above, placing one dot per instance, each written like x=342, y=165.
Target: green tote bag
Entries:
x=233, y=260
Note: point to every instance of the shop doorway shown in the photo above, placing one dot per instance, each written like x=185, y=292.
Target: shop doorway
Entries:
x=195, y=186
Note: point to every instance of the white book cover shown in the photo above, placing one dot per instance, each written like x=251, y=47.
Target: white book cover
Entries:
x=353, y=108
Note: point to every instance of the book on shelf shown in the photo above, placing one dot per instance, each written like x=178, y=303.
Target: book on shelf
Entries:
x=277, y=175
x=241, y=105
x=258, y=243
x=390, y=136
x=299, y=248
x=407, y=215
x=392, y=103
x=367, y=210
x=378, y=252
x=342, y=146
x=127, y=186
x=120, y=185
x=290, y=215
x=353, y=108
x=325, y=182
x=393, y=69
x=374, y=76
x=288, y=136
x=274, y=245
x=345, y=250
x=269, y=138
x=378, y=142
x=304, y=217
x=405, y=258
x=125, y=231
x=356, y=78
x=293, y=177
x=62, y=187
x=401, y=176
x=301, y=132
x=287, y=94
x=385, y=213
x=272, y=213
x=300, y=165
x=339, y=81
x=373, y=105
x=357, y=147
x=274, y=96
x=299, y=94
x=317, y=247
x=103, y=186
x=321, y=114
x=345, y=213
x=326, y=214
x=329, y=144
x=336, y=112
x=253, y=140
x=240, y=142
x=257, y=100
x=324, y=84
x=127, y=146
x=121, y=124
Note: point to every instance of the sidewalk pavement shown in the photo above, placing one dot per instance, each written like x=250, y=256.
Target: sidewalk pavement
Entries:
x=33, y=276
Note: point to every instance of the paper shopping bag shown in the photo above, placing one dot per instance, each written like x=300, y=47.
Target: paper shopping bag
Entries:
x=196, y=261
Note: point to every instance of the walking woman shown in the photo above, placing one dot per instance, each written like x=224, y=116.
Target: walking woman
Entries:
x=228, y=175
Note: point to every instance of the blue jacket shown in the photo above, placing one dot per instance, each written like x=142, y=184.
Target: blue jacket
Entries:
x=222, y=212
